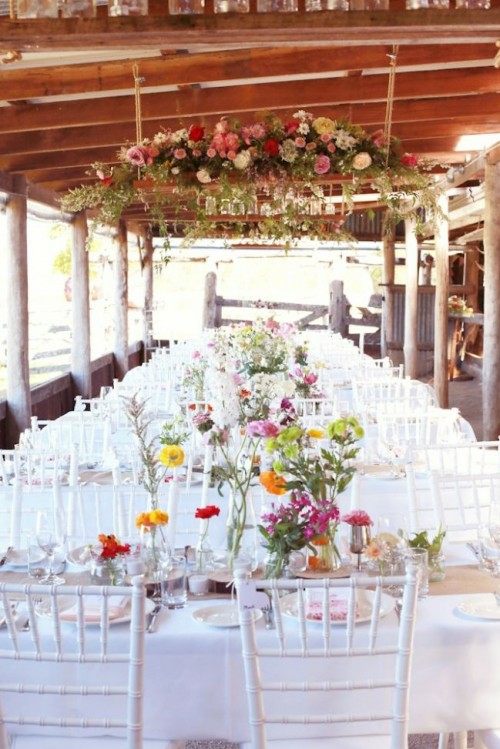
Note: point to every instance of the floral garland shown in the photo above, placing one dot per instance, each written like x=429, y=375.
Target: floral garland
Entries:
x=270, y=168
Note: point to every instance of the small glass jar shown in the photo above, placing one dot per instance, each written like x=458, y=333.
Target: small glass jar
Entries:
x=277, y=6
x=78, y=9
x=231, y=6
x=37, y=9
x=186, y=7
x=418, y=4
x=312, y=5
x=107, y=571
x=325, y=557
x=128, y=8
x=473, y=4
x=437, y=570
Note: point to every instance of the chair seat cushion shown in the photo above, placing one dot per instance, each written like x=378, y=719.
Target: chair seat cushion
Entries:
x=340, y=742
x=490, y=739
x=80, y=742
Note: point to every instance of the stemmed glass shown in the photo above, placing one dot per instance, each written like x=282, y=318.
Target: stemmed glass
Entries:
x=48, y=541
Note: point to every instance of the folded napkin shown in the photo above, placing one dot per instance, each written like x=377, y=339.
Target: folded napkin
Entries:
x=117, y=607
x=338, y=608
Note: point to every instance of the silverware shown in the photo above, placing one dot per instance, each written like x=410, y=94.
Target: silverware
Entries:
x=25, y=627
x=269, y=618
x=5, y=556
x=152, y=618
x=475, y=550
x=398, y=606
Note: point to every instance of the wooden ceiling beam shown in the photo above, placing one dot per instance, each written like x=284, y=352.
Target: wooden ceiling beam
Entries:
x=401, y=26
x=56, y=80
x=484, y=107
x=249, y=97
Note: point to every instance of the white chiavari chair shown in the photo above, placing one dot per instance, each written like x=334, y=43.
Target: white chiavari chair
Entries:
x=316, y=411
x=75, y=680
x=459, y=503
x=290, y=683
x=467, y=458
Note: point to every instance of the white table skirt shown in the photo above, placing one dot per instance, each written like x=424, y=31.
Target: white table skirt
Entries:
x=194, y=686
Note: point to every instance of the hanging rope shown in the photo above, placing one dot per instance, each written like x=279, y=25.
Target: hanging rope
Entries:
x=138, y=112
x=393, y=56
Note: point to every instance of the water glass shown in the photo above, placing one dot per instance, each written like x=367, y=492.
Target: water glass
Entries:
x=37, y=563
x=489, y=551
x=174, y=583
x=419, y=558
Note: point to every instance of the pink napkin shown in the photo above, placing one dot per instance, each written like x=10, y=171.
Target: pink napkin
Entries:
x=117, y=607
x=338, y=609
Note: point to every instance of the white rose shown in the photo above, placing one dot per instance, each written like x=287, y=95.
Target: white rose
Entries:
x=242, y=160
x=203, y=176
x=179, y=135
x=362, y=160
x=303, y=128
x=175, y=170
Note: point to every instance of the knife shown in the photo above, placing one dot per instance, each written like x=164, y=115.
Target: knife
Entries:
x=152, y=617
x=5, y=556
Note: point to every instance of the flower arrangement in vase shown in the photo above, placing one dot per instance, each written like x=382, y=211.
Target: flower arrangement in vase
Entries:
x=107, y=558
x=155, y=550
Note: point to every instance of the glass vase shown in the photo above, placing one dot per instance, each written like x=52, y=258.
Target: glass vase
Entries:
x=369, y=4
x=155, y=554
x=128, y=8
x=437, y=571
x=418, y=4
x=241, y=529
x=37, y=9
x=78, y=9
x=325, y=556
x=277, y=565
x=231, y=6
x=107, y=571
x=204, y=557
x=187, y=7
x=479, y=4
x=312, y=5
x=276, y=6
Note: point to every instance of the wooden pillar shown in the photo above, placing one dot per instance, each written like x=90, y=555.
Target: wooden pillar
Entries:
x=121, y=301
x=337, y=308
x=80, y=304
x=410, y=345
x=210, y=301
x=491, y=360
x=441, y=243
x=388, y=275
x=18, y=378
x=471, y=276
x=147, y=274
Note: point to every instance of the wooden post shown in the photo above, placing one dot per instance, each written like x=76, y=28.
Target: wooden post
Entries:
x=147, y=274
x=18, y=377
x=121, y=300
x=80, y=305
x=337, y=308
x=410, y=345
x=471, y=280
x=209, y=304
x=388, y=270
x=441, y=243
x=491, y=360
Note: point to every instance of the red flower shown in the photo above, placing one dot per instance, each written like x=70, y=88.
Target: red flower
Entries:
x=111, y=547
x=205, y=513
x=196, y=133
x=291, y=127
x=409, y=159
x=272, y=147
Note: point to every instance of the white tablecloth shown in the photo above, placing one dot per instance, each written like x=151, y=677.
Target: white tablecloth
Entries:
x=195, y=686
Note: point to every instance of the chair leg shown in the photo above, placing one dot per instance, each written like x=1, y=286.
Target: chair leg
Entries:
x=460, y=740
x=444, y=739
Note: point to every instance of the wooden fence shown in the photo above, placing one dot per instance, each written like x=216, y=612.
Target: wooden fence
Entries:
x=56, y=397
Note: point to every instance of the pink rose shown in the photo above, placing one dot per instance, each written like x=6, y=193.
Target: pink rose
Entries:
x=326, y=137
x=211, y=152
x=231, y=155
x=322, y=164
x=310, y=378
x=300, y=142
x=141, y=155
x=311, y=147
x=180, y=153
x=258, y=130
x=331, y=147
x=231, y=141
x=262, y=428
x=221, y=126
x=378, y=138
x=196, y=152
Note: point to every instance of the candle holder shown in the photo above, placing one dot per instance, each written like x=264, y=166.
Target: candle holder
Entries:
x=360, y=538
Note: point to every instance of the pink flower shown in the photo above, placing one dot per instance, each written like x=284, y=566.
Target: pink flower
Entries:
x=271, y=324
x=141, y=155
x=378, y=138
x=221, y=126
x=310, y=378
x=180, y=153
x=357, y=517
x=231, y=155
x=196, y=355
x=196, y=152
x=258, y=130
x=311, y=147
x=232, y=141
x=331, y=147
x=322, y=164
x=300, y=142
x=211, y=152
x=262, y=428
x=326, y=137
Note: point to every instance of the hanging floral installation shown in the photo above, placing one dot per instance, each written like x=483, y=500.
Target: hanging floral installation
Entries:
x=272, y=178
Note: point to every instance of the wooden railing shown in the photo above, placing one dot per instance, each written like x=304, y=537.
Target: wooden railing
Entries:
x=56, y=397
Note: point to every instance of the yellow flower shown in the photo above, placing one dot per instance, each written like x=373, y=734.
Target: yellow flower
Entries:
x=171, y=456
x=158, y=517
x=323, y=125
x=142, y=519
x=315, y=434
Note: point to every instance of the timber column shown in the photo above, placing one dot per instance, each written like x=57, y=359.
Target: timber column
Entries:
x=410, y=345
x=121, y=301
x=491, y=361
x=80, y=340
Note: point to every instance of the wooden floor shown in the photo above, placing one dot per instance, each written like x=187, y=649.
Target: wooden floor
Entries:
x=467, y=397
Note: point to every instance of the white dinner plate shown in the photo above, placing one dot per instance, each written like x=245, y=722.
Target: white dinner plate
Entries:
x=44, y=611
x=379, y=471
x=19, y=557
x=480, y=607
x=289, y=607
x=225, y=615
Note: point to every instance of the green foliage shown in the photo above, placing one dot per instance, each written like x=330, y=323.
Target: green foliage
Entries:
x=62, y=261
x=421, y=540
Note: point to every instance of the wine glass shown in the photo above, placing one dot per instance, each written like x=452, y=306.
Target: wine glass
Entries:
x=48, y=541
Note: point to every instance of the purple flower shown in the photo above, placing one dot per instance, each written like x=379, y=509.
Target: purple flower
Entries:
x=262, y=428
x=287, y=405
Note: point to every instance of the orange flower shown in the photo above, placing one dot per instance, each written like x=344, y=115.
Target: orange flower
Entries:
x=273, y=482
x=244, y=393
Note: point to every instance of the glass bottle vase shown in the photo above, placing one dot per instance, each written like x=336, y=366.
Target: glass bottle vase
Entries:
x=155, y=554
x=325, y=557
x=241, y=530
